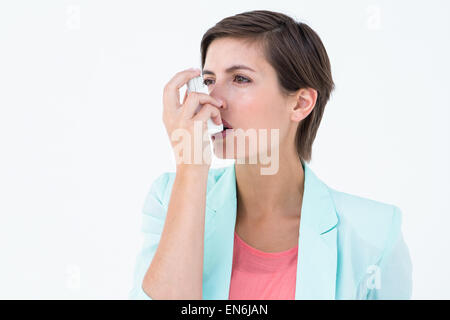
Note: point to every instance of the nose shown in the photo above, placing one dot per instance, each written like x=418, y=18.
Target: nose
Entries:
x=216, y=91
x=220, y=98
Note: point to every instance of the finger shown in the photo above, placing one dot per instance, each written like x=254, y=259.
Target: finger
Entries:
x=171, y=95
x=194, y=101
x=209, y=111
x=185, y=96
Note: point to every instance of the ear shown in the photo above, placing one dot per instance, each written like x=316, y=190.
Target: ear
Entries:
x=305, y=100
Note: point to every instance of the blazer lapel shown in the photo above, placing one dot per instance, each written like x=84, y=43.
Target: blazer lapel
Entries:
x=317, y=255
x=220, y=220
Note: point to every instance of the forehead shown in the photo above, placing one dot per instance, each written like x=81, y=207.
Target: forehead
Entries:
x=225, y=52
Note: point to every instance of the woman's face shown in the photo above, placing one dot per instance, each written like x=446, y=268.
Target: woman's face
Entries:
x=251, y=96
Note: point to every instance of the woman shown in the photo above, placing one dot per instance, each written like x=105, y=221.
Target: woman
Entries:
x=236, y=233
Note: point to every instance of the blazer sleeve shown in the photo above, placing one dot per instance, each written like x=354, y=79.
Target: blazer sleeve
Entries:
x=394, y=270
x=153, y=217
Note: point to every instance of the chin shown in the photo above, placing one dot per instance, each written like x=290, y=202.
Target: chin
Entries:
x=223, y=156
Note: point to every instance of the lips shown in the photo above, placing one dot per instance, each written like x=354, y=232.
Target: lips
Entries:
x=227, y=129
x=226, y=125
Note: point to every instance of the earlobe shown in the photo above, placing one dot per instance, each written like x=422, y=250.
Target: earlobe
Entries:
x=297, y=115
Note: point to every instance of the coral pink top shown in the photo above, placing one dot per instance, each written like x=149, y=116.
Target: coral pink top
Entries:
x=258, y=275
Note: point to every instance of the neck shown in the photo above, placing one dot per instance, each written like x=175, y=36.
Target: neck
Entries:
x=263, y=197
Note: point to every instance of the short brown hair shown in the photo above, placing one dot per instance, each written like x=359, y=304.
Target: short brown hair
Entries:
x=296, y=53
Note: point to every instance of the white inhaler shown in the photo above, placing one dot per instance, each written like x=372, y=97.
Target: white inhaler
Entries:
x=196, y=85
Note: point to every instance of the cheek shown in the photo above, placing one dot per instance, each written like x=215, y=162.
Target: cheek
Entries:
x=264, y=113
x=253, y=111
x=256, y=108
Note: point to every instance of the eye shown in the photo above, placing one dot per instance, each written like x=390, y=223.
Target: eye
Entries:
x=205, y=82
x=240, y=79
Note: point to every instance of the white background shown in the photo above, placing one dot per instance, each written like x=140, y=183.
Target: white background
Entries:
x=81, y=135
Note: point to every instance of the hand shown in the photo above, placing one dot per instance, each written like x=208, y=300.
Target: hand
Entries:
x=184, y=126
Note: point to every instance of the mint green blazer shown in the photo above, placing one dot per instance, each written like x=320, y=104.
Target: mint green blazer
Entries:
x=349, y=247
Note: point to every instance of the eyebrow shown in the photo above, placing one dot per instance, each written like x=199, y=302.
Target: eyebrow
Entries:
x=231, y=69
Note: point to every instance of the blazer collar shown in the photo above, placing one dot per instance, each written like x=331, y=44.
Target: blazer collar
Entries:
x=317, y=253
